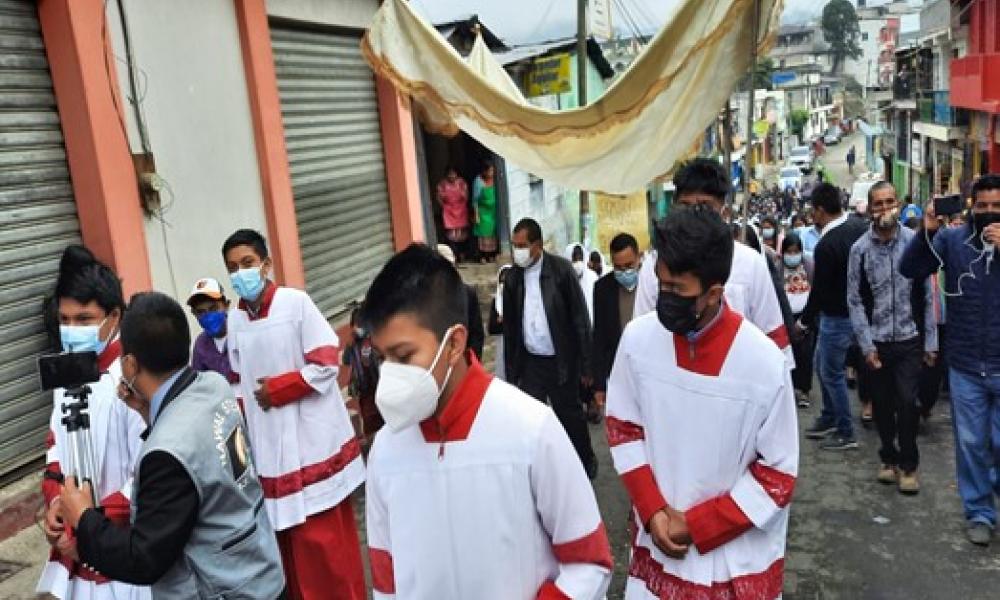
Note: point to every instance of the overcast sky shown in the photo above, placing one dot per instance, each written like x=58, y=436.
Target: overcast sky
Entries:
x=522, y=21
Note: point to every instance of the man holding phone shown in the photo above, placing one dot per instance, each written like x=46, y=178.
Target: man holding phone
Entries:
x=972, y=287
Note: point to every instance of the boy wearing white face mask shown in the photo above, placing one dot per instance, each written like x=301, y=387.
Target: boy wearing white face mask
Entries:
x=463, y=453
x=286, y=358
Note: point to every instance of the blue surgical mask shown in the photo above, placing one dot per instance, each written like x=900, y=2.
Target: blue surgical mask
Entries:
x=792, y=261
x=82, y=338
x=248, y=283
x=213, y=322
x=628, y=279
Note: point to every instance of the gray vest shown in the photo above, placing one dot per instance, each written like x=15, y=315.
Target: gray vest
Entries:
x=232, y=552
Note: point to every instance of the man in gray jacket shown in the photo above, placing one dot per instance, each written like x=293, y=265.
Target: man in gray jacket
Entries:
x=893, y=319
x=198, y=528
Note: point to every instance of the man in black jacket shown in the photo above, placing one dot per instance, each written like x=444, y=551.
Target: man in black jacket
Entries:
x=828, y=305
x=546, y=331
x=614, y=304
x=474, y=321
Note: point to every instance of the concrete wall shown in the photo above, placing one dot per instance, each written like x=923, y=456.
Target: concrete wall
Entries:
x=355, y=14
x=864, y=70
x=194, y=97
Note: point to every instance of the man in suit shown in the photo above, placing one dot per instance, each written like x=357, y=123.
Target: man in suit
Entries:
x=614, y=304
x=198, y=527
x=546, y=333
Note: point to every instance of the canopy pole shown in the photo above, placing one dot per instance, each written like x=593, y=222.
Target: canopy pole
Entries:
x=748, y=155
x=581, y=84
x=727, y=152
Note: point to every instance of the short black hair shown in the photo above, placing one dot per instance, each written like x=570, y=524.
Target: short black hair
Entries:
x=421, y=282
x=85, y=279
x=990, y=181
x=791, y=239
x=769, y=219
x=155, y=331
x=696, y=241
x=878, y=185
x=827, y=197
x=531, y=228
x=577, y=250
x=246, y=237
x=622, y=241
x=596, y=257
x=702, y=175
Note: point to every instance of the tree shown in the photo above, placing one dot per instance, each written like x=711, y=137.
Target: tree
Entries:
x=761, y=75
x=798, y=119
x=841, y=31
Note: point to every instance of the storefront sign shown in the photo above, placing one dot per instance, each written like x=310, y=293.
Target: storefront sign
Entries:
x=549, y=75
x=917, y=153
x=620, y=214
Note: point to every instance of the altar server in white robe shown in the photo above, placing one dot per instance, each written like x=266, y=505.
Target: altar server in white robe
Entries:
x=286, y=358
x=702, y=427
x=750, y=290
x=89, y=305
x=474, y=490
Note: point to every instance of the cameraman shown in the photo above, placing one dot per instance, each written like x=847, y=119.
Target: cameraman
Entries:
x=199, y=529
x=972, y=349
x=89, y=305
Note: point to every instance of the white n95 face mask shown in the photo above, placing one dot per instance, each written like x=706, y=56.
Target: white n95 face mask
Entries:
x=408, y=394
x=522, y=257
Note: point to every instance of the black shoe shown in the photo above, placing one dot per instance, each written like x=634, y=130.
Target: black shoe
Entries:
x=839, y=442
x=591, y=469
x=820, y=430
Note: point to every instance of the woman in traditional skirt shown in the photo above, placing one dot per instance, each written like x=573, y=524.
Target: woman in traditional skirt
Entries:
x=484, y=192
x=453, y=196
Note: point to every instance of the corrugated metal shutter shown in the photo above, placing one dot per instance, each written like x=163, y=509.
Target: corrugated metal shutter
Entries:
x=37, y=220
x=334, y=139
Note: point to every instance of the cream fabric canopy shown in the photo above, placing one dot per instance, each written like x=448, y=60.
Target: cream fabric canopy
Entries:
x=633, y=134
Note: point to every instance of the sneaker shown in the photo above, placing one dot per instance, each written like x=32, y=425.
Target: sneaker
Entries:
x=802, y=399
x=887, y=474
x=839, y=442
x=979, y=534
x=908, y=483
x=820, y=430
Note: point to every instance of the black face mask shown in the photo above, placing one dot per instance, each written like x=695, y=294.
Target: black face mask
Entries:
x=984, y=220
x=677, y=313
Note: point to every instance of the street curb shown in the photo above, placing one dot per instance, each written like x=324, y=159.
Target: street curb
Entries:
x=19, y=503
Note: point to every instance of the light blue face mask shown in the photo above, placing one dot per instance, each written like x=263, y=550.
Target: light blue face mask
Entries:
x=248, y=283
x=82, y=338
x=792, y=261
x=628, y=278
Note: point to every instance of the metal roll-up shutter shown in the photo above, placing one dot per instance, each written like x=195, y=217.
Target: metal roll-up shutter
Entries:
x=334, y=139
x=37, y=220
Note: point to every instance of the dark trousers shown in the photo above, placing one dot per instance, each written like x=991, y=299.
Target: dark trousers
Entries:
x=540, y=379
x=932, y=380
x=894, y=395
x=804, y=350
x=856, y=360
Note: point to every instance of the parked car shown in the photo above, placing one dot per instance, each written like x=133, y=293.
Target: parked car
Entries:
x=801, y=157
x=832, y=136
x=790, y=176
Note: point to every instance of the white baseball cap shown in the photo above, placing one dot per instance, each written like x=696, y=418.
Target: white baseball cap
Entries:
x=208, y=287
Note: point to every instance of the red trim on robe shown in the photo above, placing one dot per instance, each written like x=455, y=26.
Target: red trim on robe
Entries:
x=622, y=432
x=592, y=548
x=780, y=337
x=550, y=591
x=383, y=577
x=116, y=509
x=110, y=355
x=708, y=353
x=287, y=388
x=324, y=356
x=646, y=496
x=778, y=485
x=265, y=306
x=716, y=522
x=455, y=421
x=765, y=585
x=296, y=481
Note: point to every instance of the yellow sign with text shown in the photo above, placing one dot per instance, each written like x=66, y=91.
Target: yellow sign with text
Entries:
x=549, y=75
x=620, y=214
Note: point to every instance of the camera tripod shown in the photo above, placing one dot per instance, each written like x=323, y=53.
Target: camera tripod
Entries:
x=80, y=453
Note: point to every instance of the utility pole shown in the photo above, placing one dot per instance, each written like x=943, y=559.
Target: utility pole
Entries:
x=748, y=154
x=581, y=84
x=727, y=151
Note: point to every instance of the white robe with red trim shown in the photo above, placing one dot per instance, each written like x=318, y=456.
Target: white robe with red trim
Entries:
x=709, y=429
x=501, y=509
x=115, y=431
x=749, y=291
x=305, y=450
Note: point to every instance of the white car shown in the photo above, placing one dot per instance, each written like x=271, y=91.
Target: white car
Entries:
x=790, y=176
x=832, y=136
x=801, y=157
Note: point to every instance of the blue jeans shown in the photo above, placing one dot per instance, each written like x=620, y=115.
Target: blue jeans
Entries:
x=835, y=338
x=975, y=406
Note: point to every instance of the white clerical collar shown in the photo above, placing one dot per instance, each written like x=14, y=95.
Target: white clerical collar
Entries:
x=538, y=264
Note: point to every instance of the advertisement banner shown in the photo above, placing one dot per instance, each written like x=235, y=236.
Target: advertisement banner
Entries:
x=549, y=75
x=620, y=214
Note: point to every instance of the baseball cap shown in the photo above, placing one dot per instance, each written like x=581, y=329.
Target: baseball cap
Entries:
x=208, y=287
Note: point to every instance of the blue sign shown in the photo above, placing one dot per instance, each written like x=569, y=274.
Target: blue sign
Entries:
x=781, y=77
